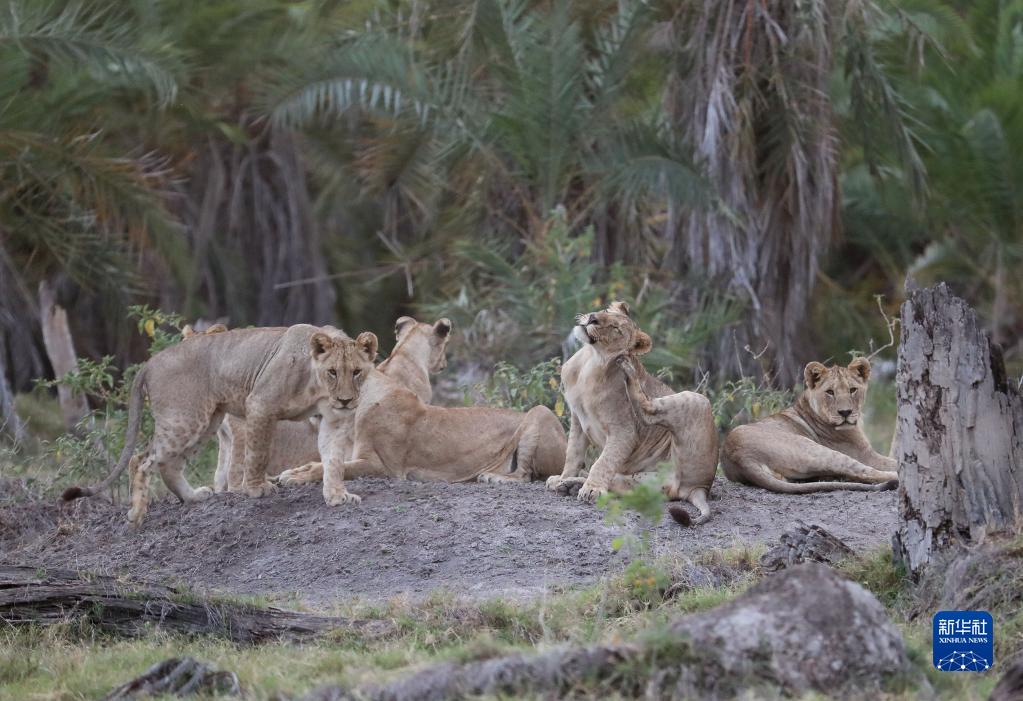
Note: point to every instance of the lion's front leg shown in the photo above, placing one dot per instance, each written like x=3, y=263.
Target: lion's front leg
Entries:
x=610, y=464
x=334, y=491
x=258, y=434
x=575, y=461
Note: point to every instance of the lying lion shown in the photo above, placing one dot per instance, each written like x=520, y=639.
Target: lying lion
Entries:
x=631, y=445
x=264, y=375
x=421, y=349
x=818, y=438
x=397, y=435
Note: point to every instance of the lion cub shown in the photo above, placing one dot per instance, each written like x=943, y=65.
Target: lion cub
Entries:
x=398, y=435
x=818, y=438
x=263, y=374
x=631, y=445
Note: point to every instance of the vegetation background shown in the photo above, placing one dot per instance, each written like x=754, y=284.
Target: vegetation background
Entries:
x=751, y=176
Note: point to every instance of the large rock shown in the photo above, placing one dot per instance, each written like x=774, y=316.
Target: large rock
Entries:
x=804, y=629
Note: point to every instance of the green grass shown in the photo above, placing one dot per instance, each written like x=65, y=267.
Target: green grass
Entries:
x=69, y=662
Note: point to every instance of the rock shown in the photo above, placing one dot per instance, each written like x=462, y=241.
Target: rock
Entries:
x=805, y=543
x=806, y=629
x=1010, y=686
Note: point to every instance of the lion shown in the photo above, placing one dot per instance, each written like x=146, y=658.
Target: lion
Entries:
x=815, y=442
x=262, y=374
x=680, y=429
x=421, y=350
x=396, y=434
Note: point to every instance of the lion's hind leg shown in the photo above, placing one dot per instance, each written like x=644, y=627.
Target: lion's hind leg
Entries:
x=760, y=475
x=303, y=474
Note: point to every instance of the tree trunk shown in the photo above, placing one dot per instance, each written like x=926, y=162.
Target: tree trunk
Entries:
x=959, y=433
x=61, y=350
x=10, y=424
x=36, y=596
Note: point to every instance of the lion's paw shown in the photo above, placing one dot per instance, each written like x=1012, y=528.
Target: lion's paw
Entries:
x=553, y=482
x=202, y=494
x=566, y=487
x=263, y=489
x=135, y=515
x=591, y=494
x=341, y=498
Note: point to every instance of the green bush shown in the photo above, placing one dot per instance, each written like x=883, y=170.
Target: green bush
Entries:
x=510, y=388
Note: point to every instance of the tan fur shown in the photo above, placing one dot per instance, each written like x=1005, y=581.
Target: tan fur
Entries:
x=262, y=374
x=421, y=349
x=677, y=427
x=397, y=435
x=818, y=438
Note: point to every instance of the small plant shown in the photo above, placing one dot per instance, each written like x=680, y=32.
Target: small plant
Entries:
x=511, y=388
x=645, y=583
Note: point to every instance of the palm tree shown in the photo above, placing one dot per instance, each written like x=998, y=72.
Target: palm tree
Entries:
x=751, y=91
x=70, y=206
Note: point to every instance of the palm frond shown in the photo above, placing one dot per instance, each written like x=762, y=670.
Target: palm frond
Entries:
x=99, y=42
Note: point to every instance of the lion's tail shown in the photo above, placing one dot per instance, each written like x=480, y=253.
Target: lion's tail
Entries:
x=135, y=402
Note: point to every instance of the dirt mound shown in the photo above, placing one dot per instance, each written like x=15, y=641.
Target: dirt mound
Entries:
x=405, y=538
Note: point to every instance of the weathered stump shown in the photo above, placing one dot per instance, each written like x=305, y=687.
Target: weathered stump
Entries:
x=61, y=350
x=959, y=434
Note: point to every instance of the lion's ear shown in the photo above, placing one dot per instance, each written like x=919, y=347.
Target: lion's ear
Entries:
x=443, y=327
x=367, y=343
x=813, y=373
x=861, y=366
x=643, y=343
x=401, y=324
x=620, y=307
x=320, y=343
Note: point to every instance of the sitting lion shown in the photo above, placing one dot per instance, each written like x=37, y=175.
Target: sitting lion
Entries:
x=263, y=374
x=397, y=435
x=420, y=351
x=818, y=438
x=681, y=429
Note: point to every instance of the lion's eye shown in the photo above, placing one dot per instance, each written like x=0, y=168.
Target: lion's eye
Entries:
x=830, y=392
x=852, y=390
x=356, y=373
x=332, y=372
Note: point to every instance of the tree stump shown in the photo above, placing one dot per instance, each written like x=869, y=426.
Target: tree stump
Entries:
x=959, y=434
x=11, y=424
x=61, y=350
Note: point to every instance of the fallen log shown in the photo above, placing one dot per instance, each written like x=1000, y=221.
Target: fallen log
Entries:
x=959, y=434
x=177, y=677
x=804, y=629
x=805, y=543
x=34, y=596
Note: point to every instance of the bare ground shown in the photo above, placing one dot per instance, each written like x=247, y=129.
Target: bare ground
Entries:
x=406, y=538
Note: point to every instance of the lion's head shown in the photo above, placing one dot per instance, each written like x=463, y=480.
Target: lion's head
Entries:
x=435, y=335
x=836, y=394
x=341, y=365
x=612, y=332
